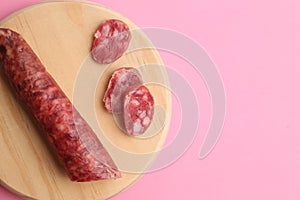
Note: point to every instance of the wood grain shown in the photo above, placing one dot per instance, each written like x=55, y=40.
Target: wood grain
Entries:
x=61, y=35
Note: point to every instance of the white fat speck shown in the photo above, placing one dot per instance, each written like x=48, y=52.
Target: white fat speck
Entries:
x=51, y=89
x=38, y=82
x=137, y=127
x=135, y=102
x=5, y=34
x=97, y=34
x=146, y=121
x=143, y=114
x=60, y=127
x=122, y=35
x=145, y=97
x=139, y=92
x=20, y=49
x=45, y=96
x=55, y=102
x=115, y=33
x=105, y=42
x=106, y=29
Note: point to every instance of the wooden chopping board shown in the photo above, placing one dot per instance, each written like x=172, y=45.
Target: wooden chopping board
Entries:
x=61, y=34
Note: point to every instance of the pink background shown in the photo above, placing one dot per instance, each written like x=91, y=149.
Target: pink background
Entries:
x=256, y=46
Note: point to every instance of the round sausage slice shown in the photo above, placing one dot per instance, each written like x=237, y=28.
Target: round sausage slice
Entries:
x=119, y=83
x=111, y=40
x=138, y=110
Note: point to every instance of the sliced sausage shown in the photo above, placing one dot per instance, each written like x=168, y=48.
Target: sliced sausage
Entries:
x=111, y=40
x=138, y=110
x=119, y=83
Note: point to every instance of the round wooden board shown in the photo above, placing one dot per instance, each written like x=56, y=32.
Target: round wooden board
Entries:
x=61, y=34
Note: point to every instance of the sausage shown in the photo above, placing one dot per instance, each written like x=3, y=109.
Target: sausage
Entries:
x=119, y=83
x=111, y=40
x=138, y=110
x=73, y=141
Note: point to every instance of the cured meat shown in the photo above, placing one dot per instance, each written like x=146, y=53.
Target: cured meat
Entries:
x=111, y=40
x=71, y=138
x=129, y=101
x=138, y=110
x=119, y=83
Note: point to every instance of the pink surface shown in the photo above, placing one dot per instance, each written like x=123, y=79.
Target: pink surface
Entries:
x=255, y=45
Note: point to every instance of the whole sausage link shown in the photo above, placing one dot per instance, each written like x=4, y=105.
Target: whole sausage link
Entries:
x=72, y=139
